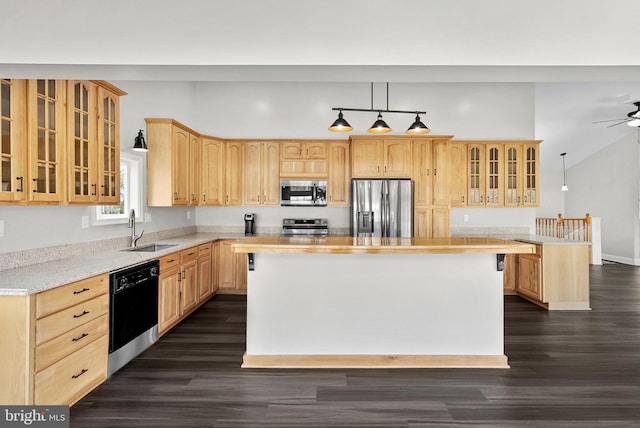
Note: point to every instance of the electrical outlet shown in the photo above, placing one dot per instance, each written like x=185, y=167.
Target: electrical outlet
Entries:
x=465, y=218
x=147, y=217
x=85, y=221
x=188, y=215
x=1, y=227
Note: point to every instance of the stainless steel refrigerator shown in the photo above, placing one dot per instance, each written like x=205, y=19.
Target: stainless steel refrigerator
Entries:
x=382, y=208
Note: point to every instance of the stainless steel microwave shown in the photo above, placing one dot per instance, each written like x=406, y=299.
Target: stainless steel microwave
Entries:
x=303, y=193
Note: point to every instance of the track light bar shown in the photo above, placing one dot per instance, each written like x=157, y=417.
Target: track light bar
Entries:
x=379, y=110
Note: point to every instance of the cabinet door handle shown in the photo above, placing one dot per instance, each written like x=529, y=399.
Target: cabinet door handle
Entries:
x=258, y=198
x=81, y=291
x=102, y=186
x=95, y=189
x=75, y=339
x=463, y=199
x=427, y=172
x=481, y=198
x=21, y=180
x=35, y=188
x=76, y=376
x=175, y=196
x=82, y=314
x=385, y=169
x=435, y=171
x=204, y=198
x=227, y=198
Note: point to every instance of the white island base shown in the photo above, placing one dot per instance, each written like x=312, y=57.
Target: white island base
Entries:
x=375, y=310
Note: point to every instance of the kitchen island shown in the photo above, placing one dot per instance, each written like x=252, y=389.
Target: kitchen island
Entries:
x=375, y=302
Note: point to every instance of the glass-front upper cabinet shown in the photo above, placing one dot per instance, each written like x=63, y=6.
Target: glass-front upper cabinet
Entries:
x=531, y=174
x=12, y=125
x=45, y=101
x=83, y=144
x=109, y=146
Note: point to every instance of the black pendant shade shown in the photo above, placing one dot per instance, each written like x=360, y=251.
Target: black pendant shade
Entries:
x=418, y=127
x=379, y=126
x=340, y=125
x=140, y=145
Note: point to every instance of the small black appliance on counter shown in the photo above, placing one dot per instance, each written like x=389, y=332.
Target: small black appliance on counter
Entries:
x=250, y=224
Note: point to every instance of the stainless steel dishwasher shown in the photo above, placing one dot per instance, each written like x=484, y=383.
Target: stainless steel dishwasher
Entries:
x=133, y=314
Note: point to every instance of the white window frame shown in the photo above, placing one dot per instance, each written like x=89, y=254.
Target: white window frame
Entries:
x=132, y=190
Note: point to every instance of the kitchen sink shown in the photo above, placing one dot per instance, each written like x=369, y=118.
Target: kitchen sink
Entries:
x=150, y=248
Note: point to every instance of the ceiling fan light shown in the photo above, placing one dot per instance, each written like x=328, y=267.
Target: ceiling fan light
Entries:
x=634, y=122
x=340, y=125
x=379, y=126
x=418, y=127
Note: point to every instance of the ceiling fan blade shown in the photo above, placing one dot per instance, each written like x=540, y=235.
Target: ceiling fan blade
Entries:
x=610, y=120
x=616, y=124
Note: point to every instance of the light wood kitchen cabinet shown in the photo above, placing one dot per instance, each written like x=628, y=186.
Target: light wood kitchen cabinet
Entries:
x=510, y=274
x=485, y=174
x=178, y=287
x=497, y=173
x=83, y=141
x=531, y=174
x=12, y=150
x=303, y=159
x=169, y=292
x=188, y=280
x=232, y=270
x=458, y=174
x=262, y=179
x=555, y=277
x=431, y=222
x=193, y=169
x=205, y=270
x=109, y=145
x=212, y=167
x=54, y=147
x=45, y=181
x=339, y=175
x=374, y=158
x=93, y=148
x=56, y=343
x=430, y=166
x=234, y=164
x=171, y=167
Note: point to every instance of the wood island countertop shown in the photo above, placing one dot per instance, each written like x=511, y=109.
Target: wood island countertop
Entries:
x=376, y=245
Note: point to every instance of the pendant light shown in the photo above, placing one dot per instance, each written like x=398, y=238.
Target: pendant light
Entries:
x=417, y=127
x=564, y=177
x=139, y=144
x=379, y=126
x=340, y=125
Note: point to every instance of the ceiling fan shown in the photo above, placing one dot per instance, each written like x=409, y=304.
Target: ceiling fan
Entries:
x=632, y=119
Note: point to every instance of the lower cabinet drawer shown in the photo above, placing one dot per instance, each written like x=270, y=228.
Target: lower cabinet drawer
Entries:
x=67, y=343
x=74, y=376
x=61, y=322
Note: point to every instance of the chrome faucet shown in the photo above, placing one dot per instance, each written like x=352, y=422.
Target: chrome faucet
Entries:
x=132, y=226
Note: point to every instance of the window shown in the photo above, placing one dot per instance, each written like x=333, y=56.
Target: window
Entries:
x=130, y=194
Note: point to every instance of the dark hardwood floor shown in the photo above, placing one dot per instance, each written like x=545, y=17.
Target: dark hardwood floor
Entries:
x=568, y=369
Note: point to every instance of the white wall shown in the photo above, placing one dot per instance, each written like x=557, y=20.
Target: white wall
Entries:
x=284, y=110
x=606, y=185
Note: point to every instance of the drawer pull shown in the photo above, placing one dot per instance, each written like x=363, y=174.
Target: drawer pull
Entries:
x=75, y=339
x=76, y=376
x=82, y=314
x=82, y=291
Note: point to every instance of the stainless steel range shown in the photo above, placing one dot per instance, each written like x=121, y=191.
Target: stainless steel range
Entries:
x=305, y=227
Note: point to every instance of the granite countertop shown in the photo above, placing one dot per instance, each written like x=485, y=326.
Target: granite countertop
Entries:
x=376, y=245
x=43, y=276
